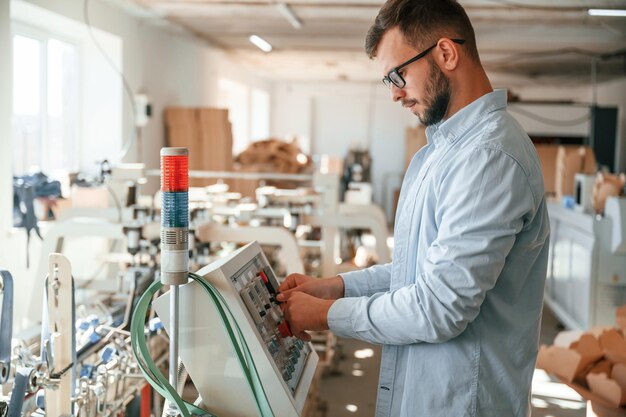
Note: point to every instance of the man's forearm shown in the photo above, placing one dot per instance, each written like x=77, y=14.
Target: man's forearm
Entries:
x=338, y=287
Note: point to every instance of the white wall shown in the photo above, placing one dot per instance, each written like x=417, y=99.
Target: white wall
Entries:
x=333, y=115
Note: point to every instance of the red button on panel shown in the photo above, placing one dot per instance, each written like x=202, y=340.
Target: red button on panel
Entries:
x=284, y=329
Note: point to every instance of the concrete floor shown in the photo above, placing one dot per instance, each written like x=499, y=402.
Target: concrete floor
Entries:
x=352, y=391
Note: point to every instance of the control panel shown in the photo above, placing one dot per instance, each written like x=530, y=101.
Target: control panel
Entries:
x=285, y=364
x=257, y=286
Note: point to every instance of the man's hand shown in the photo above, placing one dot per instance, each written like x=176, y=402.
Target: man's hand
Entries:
x=326, y=288
x=305, y=312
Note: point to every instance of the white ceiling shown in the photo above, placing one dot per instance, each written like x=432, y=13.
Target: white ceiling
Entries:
x=518, y=40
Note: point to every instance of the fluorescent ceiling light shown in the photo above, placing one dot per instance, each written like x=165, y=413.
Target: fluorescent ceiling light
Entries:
x=607, y=12
x=261, y=43
x=286, y=11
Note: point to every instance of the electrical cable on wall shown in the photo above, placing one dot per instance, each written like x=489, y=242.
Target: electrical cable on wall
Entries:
x=528, y=6
x=540, y=54
x=127, y=88
x=553, y=122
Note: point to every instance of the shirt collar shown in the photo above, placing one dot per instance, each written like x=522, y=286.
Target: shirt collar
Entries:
x=450, y=129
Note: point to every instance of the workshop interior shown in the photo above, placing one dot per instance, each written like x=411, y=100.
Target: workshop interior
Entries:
x=166, y=164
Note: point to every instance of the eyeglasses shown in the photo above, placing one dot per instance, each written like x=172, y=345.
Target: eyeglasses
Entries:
x=394, y=77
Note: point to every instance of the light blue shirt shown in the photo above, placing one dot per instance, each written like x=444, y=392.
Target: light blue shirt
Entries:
x=459, y=308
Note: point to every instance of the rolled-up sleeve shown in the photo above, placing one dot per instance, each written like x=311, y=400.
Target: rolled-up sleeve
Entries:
x=483, y=201
x=367, y=281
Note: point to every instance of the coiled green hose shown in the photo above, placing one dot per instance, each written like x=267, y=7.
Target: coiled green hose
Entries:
x=160, y=383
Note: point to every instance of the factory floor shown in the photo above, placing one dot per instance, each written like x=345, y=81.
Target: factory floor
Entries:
x=351, y=390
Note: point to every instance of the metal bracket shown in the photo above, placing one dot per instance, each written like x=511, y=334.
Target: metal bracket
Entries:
x=61, y=347
x=6, y=325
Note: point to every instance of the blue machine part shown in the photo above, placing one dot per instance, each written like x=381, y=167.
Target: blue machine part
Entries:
x=93, y=320
x=6, y=326
x=40, y=399
x=155, y=324
x=107, y=353
x=86, y=371
x=20, y=385
x=94, y=337
x=82, y=324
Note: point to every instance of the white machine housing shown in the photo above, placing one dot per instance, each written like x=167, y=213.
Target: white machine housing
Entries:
x=583, y=189
x=586, y=279
x=208, y=355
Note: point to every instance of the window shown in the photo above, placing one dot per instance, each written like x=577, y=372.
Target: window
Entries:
x=260, y=114
x=248, y=111
x=68, y=98
x=45, y=103
x=234, y=97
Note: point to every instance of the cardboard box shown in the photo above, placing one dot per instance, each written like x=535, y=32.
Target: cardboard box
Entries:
x=614, y=346
x=571, y=160
x=621, y=318
x=547, y=158
x=594, y=365
x=414, y=140
x=247, y=188
x=570, y=363
x=207, y=133
x=90, y=197
x=596, y=409
x=607, y=388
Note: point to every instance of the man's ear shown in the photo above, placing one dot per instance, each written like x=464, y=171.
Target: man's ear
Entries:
x=447, y=54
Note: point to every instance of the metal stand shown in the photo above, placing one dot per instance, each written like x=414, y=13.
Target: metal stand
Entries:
x=173, y=371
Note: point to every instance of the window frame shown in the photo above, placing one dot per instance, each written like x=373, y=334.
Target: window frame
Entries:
x=225, y=88
x=44, y=36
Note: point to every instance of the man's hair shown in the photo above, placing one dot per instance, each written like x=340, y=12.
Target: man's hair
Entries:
x=423, y=23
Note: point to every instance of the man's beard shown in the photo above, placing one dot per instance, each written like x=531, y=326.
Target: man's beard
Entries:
x=437, y=97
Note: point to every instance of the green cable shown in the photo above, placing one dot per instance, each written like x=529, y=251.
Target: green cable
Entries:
x=158, y=381
x=147, y=366
x=247, y=362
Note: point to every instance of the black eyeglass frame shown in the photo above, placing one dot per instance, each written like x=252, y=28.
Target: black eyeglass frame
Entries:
x=387, y=80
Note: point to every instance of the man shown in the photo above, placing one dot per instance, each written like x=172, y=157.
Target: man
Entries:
x=459, y=308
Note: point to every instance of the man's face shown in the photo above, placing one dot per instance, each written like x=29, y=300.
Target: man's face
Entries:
x=427, y=90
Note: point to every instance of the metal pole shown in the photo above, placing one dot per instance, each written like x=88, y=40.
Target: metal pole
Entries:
x=174, y=244
x=173, y=368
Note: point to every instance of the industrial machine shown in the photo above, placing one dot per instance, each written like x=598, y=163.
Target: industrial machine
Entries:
x=95, y=347
x=314, y=207
x=76, y=359
x=285, y=365
x=586, y=278
x=242, y=288
x=80, y=361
